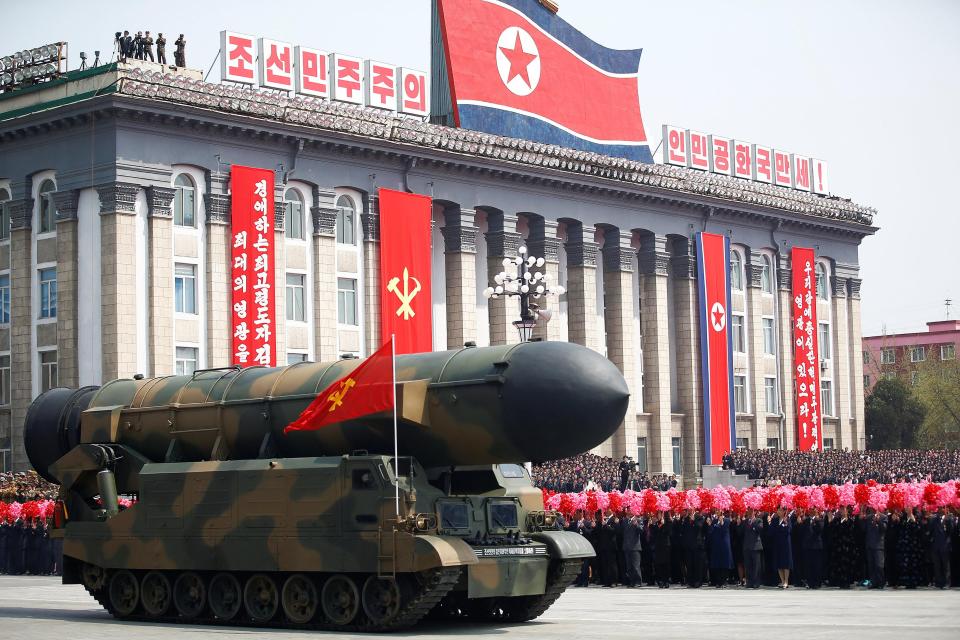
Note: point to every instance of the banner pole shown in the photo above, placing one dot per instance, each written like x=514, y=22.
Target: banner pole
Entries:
x=396, y=447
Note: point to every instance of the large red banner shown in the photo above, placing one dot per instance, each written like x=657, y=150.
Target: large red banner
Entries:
x=252, y=274
x=716, y=347
x=405, y=305
x=806, y=350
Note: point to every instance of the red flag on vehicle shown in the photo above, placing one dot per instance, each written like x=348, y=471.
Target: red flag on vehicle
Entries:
x=365, y=390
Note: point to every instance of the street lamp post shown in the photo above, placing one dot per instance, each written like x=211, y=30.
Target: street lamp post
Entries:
x=528, y=284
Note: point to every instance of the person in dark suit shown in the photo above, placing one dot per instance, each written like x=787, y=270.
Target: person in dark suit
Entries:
x=148, y=46
x=813, y=550
x=632, y=535
x=127, y=46
x=752, y=528
x=781, y=528
x=161, y=49
x=180, y=53
x=736, y=544
x=646, y=552
x=841, y=547
x=875, y=533
x=718, y=548
x=693, y=538
x=15, y=549
x=607, y=548
x=138, y=46
x=798, y=537
x=940, y=529
x=660, y=534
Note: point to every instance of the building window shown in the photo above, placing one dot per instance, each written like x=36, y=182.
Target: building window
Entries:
x=48, y=210
x=740, y=394
x=347, y=301
x=918, y=354
x=186, y=361
x=346, y=221
x=739, y=340
x=769, y=338
x=4, y=214
x=948, y=351
x=185, y=202
x=294, y=218
x=185, y=288
x=294, y=358
x=866, y=357
x=48, y=370
x=296, y=310
x=4, y=380
x=866, y=382
x=773, y=444
x=770, y=395
x=736, y=271
x=822, y=293
x=5, y=299
x=827, y=444
x=826, y=398
x=766, y=276
x=48, y=292
x=914, y=377
x=675, y=443
x=642, y=455
x=888, y=356
x=825, y=345
x=889, y=375
x=743, y=443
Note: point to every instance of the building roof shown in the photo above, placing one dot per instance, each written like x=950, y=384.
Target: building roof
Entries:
x=371, y=123
x=937, y=332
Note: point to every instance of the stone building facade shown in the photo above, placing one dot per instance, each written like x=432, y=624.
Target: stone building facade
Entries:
x=116, y=195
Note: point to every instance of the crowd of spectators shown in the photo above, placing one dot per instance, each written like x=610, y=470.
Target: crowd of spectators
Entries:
x=769, y=467
x=25, y=486
x=588, y=471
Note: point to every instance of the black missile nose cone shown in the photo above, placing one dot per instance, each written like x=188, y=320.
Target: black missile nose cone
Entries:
x=561, y=399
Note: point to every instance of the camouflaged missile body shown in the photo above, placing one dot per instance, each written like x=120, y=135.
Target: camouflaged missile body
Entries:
x=236, y=523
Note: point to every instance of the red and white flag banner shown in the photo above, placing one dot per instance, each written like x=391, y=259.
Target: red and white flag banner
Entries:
x=252, y=272
x=405, y=305
x=806, y=358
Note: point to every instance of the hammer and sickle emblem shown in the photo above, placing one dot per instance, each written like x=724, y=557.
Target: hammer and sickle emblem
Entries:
x=406, y=295
x=336, y=397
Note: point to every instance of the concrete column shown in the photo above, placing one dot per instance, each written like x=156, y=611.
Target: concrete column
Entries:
x=544, y=242
x=21, y=321
x=841, y=360
x=618, y=318
x=460, y=260
x=324, y=215
x=67, y=364
x=858, y=430
x=655, y=314
x=118, y=279
x=370, y=219
x=788, y=439
x=582, y=287
x=758, y=429
x=689, y=382
x=219, y=269
x=503, y=240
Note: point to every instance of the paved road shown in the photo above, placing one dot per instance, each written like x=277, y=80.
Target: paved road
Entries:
x=41, y=608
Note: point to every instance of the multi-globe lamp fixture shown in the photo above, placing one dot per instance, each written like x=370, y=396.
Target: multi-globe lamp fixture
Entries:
x=523, y=277
x=31, y=65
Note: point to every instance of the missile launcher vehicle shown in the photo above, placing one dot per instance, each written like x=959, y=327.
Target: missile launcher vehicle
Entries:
x=233, y=522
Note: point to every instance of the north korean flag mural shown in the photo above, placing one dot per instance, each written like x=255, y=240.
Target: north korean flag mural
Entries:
x=806, y=355
x=405, y=305
x=716, y=346
x=514, y=68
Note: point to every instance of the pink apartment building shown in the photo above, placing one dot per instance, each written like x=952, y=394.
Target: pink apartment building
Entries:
x=901, y=354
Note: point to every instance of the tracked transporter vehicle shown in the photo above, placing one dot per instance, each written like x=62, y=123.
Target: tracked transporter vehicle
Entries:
x=234, y=522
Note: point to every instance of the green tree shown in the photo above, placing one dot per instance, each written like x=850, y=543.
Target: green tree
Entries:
x=938, y=389
x=893, y=415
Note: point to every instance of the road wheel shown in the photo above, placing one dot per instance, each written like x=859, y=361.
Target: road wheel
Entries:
x=381, y=599
x=189, y=595
x=340, y=599
x=299, y=598
x=156, y=594
x=260, y=597
x=124, y=593
x=224, y=596
x=94, y=577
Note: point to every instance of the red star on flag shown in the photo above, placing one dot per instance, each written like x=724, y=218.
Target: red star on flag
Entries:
x=519, y=61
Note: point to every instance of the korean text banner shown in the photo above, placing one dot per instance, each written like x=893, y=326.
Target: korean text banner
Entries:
x=716, y=346
x=252, y=274
x=405, y=305
x=806, y=359
x=516, y=69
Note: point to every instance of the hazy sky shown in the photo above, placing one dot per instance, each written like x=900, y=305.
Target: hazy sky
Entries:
x=872, y=87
